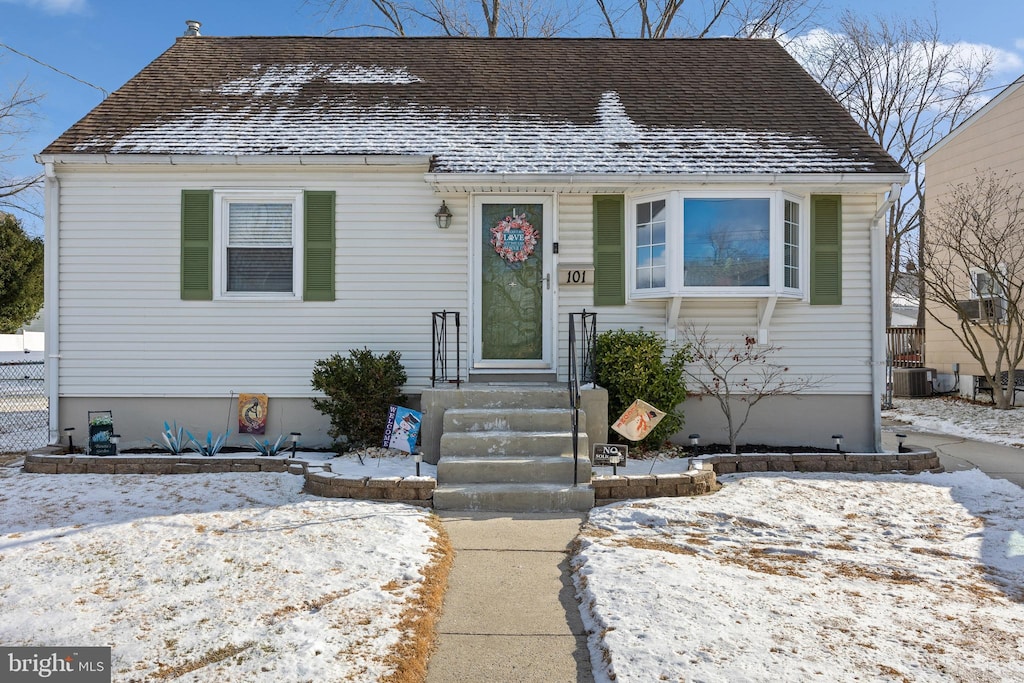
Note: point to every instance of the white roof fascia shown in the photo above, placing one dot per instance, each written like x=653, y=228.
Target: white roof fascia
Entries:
x=863, y=180
x=969, y=121
x=235, y=160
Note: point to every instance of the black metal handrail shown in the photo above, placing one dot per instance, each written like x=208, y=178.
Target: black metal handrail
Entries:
x=440, y=349
x=581, y=365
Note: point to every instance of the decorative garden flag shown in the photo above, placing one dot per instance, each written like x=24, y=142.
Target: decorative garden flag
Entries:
x=638, y=420
x=252, y=413
x=402, y=428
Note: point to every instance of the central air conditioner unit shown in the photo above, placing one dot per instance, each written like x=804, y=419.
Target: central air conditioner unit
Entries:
x=983, y=310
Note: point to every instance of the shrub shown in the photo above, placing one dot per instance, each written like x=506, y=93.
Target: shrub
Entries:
x=632, y=365
x=358, y=391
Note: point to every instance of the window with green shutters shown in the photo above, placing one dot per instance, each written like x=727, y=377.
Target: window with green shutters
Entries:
x=257, y=244
x=609, y=250
x=826, y=250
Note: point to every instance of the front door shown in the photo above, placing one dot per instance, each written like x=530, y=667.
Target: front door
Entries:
x=513, y=283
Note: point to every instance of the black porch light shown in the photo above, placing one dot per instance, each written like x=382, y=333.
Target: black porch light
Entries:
x=443, y=216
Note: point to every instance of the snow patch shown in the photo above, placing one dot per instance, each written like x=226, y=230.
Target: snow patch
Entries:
x=289, y=79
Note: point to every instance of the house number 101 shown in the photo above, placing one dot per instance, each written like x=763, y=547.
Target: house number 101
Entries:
x=576, y=275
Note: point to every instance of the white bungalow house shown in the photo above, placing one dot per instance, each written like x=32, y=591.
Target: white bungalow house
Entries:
x=245, y=206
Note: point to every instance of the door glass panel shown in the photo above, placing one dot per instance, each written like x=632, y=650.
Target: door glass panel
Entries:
x=512, y=282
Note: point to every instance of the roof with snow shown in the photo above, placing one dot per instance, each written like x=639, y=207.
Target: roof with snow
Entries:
x=487, y=105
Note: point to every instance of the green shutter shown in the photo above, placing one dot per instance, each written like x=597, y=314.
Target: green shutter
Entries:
x=826, y=250
x=609, y=250
x=197, y=245
x=318, y=249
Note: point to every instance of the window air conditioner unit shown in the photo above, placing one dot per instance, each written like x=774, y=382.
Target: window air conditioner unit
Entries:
x=983, y=310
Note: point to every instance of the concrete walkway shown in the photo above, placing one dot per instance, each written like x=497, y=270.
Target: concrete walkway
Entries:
x=510, y=613
x=957, y=453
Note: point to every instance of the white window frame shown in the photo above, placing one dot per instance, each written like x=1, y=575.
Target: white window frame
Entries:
x=222, y=201
x=675, y=246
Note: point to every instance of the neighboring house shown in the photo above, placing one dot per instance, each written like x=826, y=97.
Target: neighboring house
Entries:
x=992, y=139
x=245, y=206
x=904, y=300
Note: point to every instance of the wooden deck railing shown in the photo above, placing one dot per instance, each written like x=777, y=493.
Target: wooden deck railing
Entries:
x=905, y=346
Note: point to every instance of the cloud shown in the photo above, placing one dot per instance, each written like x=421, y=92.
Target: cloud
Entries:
x=53, y=6
x=1004, y=62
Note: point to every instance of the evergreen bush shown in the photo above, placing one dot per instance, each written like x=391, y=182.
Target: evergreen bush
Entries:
x=358, y=391
x=639, y=364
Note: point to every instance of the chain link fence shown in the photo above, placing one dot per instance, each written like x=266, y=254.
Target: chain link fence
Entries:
x=24, y=411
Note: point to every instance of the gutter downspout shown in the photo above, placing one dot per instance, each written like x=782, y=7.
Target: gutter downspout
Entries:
x=51, y=264
x=878, y=310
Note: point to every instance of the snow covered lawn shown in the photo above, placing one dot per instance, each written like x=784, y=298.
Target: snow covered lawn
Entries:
x=226, y=577
x=796, y=577
x=961, y=418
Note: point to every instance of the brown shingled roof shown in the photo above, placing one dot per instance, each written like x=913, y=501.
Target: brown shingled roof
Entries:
x=486, y=105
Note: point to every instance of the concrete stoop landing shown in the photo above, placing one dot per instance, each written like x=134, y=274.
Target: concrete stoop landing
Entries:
x=510, y=450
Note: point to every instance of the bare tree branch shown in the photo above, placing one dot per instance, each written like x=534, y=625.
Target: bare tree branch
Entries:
x=17, y=110
x=906, y=87
x=739, y=376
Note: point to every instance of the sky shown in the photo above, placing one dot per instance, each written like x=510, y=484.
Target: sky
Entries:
x=106, y=42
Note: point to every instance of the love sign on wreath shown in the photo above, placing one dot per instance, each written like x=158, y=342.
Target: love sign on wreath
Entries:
x=514, y=239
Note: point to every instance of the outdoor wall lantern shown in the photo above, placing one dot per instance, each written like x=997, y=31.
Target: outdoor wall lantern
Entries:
x=901, y=438
x=839, y=442
x=418, y=457
x=114, y=440
x=443, y=216
x=294, y=438
x=71, y=443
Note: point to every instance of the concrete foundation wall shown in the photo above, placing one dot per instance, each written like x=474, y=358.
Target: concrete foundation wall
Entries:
x=140, y=419
x=786, y=421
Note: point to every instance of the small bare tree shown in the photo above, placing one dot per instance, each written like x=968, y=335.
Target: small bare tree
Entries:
x=739, y=376
x=974, y=273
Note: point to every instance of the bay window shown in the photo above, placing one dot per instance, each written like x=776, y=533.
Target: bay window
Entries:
x=717, y=244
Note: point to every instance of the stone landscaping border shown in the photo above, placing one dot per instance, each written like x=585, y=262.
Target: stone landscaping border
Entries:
x=614, y=488
x=911, y=462
x=320, y=481
x=411, y=490
x=36, y=463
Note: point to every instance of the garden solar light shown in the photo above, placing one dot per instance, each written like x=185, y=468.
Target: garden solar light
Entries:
x=71, y=444
x=114, y=440
x=418, y=458
x=901, y=438
x=839, y=442
x=614, y=460
x=294, y=438
x=694, y=440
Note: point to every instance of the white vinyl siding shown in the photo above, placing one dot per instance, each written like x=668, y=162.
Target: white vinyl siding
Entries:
x=124, y=330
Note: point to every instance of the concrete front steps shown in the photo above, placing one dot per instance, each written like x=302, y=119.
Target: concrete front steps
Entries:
x=513, y=458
